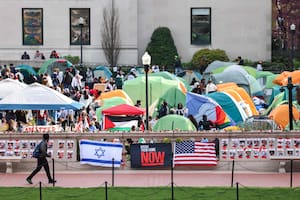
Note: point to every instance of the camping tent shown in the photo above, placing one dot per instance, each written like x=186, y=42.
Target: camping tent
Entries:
x=8, y=86
x=49, y=65
x=230, y=106
x=157, y=86
x=103, y=72
x=199, y=105
x=110, y=102
x=121, y=117
x=281, y=115
x=174, y=122
x=216, y=64
x=38, y=97
x=26, y=70
x=115, y=93
x=188, y=75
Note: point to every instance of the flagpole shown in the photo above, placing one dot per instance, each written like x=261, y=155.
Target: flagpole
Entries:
x=113, y=173
x=172, y=177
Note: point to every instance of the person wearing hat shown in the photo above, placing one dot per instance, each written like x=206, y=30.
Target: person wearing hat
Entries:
x=42, y=160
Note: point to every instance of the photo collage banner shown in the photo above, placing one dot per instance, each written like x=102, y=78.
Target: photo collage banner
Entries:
x=258, y=148
x=58, y=149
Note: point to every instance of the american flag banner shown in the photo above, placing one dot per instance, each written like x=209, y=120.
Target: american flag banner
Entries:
x=189, y=153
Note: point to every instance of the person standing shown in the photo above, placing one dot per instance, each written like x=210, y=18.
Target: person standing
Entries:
x=42, y=161
x=210, y=87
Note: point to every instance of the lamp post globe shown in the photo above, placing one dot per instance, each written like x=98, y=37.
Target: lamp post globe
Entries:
x=293, y=30
x=81, y=24
x=146, y=59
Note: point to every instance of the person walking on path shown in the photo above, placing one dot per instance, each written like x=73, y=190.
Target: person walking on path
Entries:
x=42, y=160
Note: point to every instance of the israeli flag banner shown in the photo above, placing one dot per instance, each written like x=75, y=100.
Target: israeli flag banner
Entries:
x=100, y=153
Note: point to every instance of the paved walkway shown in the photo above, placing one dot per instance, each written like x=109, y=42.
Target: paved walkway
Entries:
x=152, y=178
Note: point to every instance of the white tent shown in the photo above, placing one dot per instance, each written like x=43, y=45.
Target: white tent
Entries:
x=8, y=86
x=38, y=97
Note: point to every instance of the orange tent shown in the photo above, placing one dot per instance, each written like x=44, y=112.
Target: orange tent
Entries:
x=238, y=93
x=280, y=115
x=115, y=93
x=282, y=79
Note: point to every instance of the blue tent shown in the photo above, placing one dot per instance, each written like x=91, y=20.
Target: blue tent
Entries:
x=26, y=70
x=102, y=71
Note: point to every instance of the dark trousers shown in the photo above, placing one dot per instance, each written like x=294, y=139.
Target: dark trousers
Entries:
x=41, y=162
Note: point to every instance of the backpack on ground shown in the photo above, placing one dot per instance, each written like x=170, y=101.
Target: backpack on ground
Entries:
x=37, y=151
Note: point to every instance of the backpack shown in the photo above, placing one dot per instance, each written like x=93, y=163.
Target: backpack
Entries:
x=37, y=151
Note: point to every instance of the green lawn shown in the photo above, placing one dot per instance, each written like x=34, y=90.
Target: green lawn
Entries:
x=157, y=193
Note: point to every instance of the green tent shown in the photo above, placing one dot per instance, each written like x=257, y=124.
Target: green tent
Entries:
x=49, y=65
x=157, y=86
x=110, y=102
x=174, y=122
x=250, y=70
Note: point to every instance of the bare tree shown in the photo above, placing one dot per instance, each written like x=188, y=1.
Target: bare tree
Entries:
x=110, y=34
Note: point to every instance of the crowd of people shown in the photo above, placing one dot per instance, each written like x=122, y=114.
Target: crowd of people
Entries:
x=79, y=85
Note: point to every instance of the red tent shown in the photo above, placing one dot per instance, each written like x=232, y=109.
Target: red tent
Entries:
x=123, y=109
x=121, y=117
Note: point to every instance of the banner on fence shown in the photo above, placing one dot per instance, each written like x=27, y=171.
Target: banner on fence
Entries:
x=105, y=154
x=151, y=155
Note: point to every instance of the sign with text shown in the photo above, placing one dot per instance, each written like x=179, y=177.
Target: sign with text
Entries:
x=151, y=155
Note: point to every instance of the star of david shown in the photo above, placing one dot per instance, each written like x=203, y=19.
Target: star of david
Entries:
x=99, y=152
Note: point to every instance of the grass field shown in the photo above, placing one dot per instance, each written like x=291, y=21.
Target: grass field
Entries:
x=157, y=193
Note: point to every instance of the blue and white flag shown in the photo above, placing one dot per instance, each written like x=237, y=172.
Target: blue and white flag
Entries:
x=100, y=153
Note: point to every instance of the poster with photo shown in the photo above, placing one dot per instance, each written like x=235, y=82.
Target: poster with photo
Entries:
x=240, y=153
x=232, y=154
x=224, y=154
x=17, y=144
x=280, y=143
x=287, y=143
x=296, y=143
x=50, y=153
x=60, y=154
x=249, y=143
x=50, y=144
x=70, y=154
x=280, y=152
x=256, y=143
x=10, y=145
x=61, y=144
x=235, y=143
x=17, y=152
x=224, y=144
x=70, y=144
x=2, y=153
x=272, y=143
x=272, y=152
x=9, y=153
x=263, y=154
x=32, y=26
x=248, y=153
x=297, y=152
x=80, y=26
x=30, y=153
x=290, y=152
x=242, y=143
x=264, y=143
x=24, y=153
x=24, y=144
x=32, y=144
x=255, y=152
x=2, y=144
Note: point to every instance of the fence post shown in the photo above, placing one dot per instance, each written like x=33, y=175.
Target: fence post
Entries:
x=113, y=173
x=172, y=179
x=40, y=190
x=53, y=172
x=232, y=173
x=106, y=193
x=237, y=191
x=291, y=175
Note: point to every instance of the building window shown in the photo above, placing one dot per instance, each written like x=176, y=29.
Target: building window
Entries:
x=75, y=29
x=200, y=26
x=32, y=26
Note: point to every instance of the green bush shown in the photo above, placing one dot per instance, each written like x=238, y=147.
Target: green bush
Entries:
x=73, y=59
x=202, y=58
x=162, y=48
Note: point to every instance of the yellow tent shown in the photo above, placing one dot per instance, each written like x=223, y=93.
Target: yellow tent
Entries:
x=280, y=115
x=115, y=93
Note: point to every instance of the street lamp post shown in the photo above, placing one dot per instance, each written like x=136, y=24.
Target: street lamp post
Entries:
x=293, y=30
x=146, y=59
x=81, y=24
x=290, y=87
